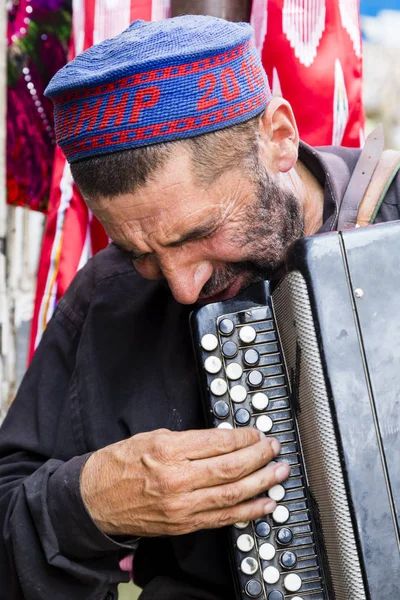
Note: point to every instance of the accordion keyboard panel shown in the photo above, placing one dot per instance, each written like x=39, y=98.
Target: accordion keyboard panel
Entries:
x=245, y=384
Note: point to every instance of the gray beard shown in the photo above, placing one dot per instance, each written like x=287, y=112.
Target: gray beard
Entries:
x=268, y=229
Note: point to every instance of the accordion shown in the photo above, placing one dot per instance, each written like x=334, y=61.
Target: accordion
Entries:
x=313, y=359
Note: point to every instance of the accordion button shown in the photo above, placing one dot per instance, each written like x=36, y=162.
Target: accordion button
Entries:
x=251, y=357
x=221, y=409
x=263, y=529
x=271, y=575
x=218, y=386
x=253, y=588
x=259, y=401
x=255, y=378
x=241, y=524
x=249, y=566
x=275, y=595
x=213, y=364
x=238, y=393
x=292, y=582
x=264, y=423
x=247, y=334
x=281, y=514
x=242, y=416
x=267, y=551
x=277, y=492
x=226, y=326
x=225, y=426
x=245, y=542
x=229, y=349
x=234, y=371
x=209, y=342
x=288, y=559
x=284, y=536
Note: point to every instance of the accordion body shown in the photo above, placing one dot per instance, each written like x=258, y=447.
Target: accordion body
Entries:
x=321, y=372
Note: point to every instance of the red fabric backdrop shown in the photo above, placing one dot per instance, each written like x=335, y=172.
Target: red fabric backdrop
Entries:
x=311, y=52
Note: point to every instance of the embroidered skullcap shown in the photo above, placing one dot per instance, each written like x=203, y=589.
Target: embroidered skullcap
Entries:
x=157, y=82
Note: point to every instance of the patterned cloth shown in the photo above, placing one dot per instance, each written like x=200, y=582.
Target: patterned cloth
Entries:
x=38, y=34
x=157, y=82
x=311, y=51
x=326, y=110
x=72, y=235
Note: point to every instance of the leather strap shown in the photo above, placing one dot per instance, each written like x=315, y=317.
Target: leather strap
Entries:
x=360, y=179
x=385, y=172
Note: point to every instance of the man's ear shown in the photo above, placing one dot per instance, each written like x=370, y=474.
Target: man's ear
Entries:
x=278, y=136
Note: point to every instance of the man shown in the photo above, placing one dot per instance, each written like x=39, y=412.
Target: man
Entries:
x=193, y=170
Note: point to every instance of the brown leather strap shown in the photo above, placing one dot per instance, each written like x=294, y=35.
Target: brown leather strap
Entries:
x=360, y=179
x=384, y=173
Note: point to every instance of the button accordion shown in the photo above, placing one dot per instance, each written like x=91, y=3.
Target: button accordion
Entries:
x=314, y=360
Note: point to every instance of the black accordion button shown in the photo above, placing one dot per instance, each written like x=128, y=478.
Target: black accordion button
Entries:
x=226, y=326
x=221, y=409
x=255, y=379
x=253, y=588
x=288, y=559
x=263, y=529
x=284, y=536
x=251, y=357
x=229, y=349
x=275, y=595
x=242, y=416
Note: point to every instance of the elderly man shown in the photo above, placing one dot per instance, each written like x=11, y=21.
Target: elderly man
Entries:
x=197, y=176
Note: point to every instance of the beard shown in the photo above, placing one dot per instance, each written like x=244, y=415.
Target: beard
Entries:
x=269, y=227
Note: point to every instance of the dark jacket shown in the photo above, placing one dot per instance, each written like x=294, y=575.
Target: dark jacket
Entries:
x=115, y=360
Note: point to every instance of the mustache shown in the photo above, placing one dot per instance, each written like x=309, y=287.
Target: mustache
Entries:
x=224, y=277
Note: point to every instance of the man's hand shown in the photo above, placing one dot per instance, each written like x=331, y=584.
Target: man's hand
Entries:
x=170, y=483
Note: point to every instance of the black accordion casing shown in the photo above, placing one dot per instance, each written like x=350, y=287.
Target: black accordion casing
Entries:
x=336, y=311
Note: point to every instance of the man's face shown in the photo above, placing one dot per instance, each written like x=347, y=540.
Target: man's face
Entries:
x=207, y=242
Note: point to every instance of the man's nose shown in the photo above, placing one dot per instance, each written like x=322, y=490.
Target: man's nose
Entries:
x=186, y=283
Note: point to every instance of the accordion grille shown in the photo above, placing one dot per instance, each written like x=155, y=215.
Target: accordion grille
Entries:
x=318, y=440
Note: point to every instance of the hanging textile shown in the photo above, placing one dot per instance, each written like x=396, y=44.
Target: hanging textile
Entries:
x=311, y=51
x=72, y=235
x=38, y=33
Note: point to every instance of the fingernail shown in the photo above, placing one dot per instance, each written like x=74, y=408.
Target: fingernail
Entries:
x=282, y=472
x=276, y=447
x=269, y=507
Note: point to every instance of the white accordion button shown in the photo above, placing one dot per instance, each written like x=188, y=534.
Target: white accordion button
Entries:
x=297, y=598
x=241, y=524
x=209, y=342
x=245, y=542
x=292, y=582
x=259, y=401
x=238, y=393
x=225, y=426
x=281, y=514
x=277, y=492
x=218, y=386
x=264, y=423
x=249, y=566
x=213, y=364
x=234, y=371
x=247, y=334
x=271, y=575
x=267, y=551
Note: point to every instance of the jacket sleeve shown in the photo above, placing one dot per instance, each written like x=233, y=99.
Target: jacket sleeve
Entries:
x=49, y=546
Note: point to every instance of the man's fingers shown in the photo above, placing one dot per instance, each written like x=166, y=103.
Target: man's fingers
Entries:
x=205, y=443
x=232, y=467
x=246, y=511
x=232, y=494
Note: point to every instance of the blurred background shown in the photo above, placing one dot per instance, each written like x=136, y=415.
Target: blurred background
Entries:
x=46, y=232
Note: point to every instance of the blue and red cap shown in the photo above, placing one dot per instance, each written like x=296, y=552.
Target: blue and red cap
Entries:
x=158, y=82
